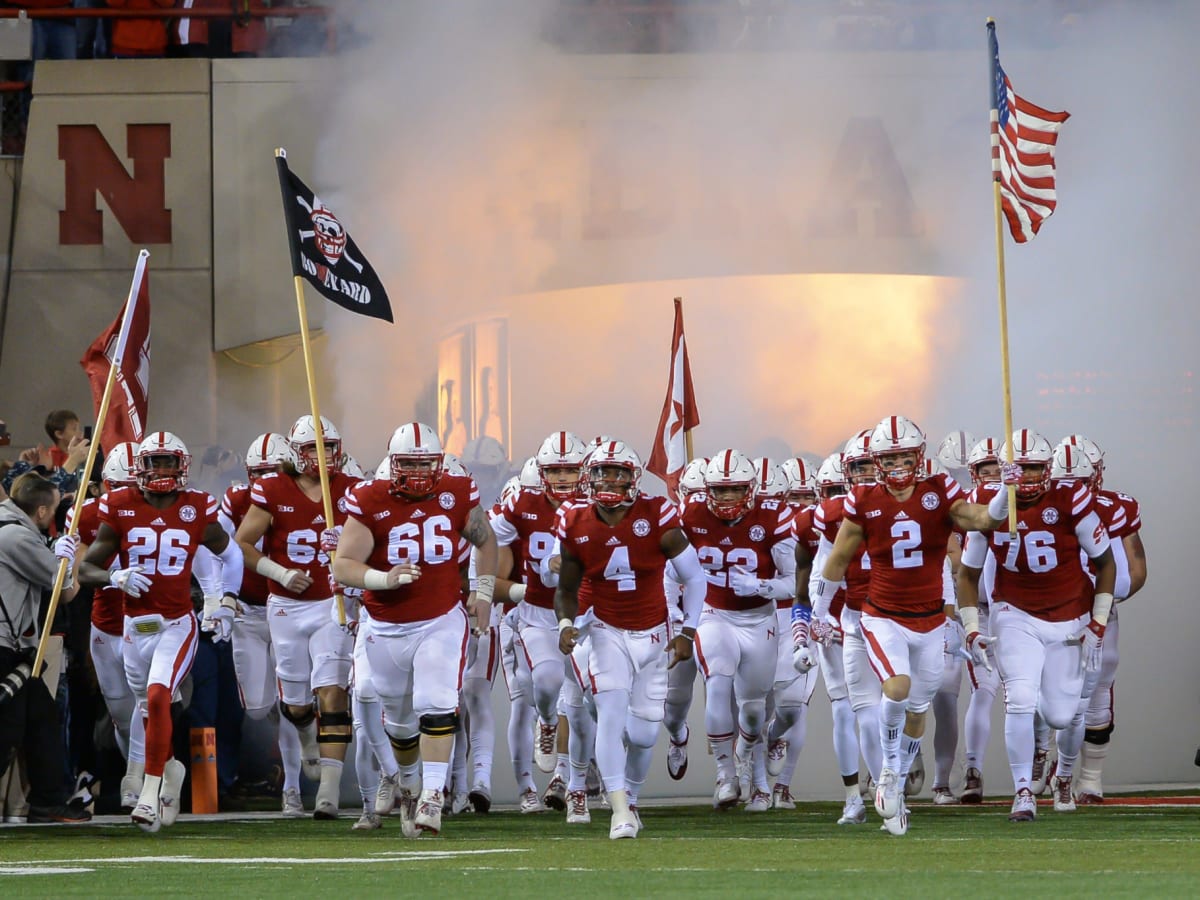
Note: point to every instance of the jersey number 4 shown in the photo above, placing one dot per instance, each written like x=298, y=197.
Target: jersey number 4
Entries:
x=159, y=554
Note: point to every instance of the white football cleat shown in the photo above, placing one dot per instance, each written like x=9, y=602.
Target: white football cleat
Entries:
x=776, y=757
x=973, y=789
x=385, y=797
x=760, y=801
x=677, y=759
x=577, y=808
x=131, y=789
x=624, y=825
x=637, y=817
x=168, y=795
x=898, y=824
x=916, y=777
x=1043, y=770
x=1024, y=808
x=887, y=795
x=293, y=806
x=854, y=812
x=1064, y=800
x=429, y=812
x=781, y=798
x=406, y=802
x=459, y=801
x=530, y=802
x=943, y=797
x=145, y=817
x=556, y=794
x=368, y=821
x=481, y=797
x=727, y=794
x=545, y=746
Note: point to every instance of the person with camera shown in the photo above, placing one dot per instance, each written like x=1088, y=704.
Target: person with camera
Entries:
x=28, y=714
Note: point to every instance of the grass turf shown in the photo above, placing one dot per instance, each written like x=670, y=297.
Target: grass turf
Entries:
x=691, y=850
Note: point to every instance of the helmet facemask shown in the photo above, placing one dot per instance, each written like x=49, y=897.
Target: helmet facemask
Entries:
x=561, y=483
x=162, y=473
x=307, y=462
x=415, y=475
x=898, y=470
x=612, y=486
x=730, y=500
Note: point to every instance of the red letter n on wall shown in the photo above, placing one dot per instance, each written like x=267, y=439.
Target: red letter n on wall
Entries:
x=137, y=202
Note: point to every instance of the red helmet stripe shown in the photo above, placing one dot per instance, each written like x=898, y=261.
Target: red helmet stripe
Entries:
x=562, y=443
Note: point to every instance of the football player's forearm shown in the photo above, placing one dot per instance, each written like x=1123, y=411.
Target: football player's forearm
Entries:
x=566, y=603
x=250, y=555
x=92, y=574
x=349, y=572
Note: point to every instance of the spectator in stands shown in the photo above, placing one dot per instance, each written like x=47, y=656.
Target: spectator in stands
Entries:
x=61, y=460
x=249, y=32
x=52, y=38
x=140, y=38
x=62, y=427
x=93, y=37
x=189, y=36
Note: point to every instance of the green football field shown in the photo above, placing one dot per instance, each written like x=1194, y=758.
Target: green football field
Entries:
x=1114, y=851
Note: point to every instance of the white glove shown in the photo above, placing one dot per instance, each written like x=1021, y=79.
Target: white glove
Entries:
x=804, y=658
x=1091, y=641
x=350, y=607
x=222, y=621
x=977, y=646
x=131, y=581
x=66, y=547
x=211, y=604
x=954, y=637
x=743, y=583
x=1011, y=473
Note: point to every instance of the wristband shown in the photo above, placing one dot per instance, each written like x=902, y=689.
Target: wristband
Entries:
x=970, y=618
x=688, y=637
x=375, y=580
x=230, y=601
x=268, y=568
x=565, y=623
x=516, y=592
x=1101, y=607
x=486, y=588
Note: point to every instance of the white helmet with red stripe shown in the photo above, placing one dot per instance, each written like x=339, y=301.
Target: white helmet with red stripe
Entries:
x=1094, y=454
x=349, y=466
x=120, y=466
x=955, y=448
x=692, y=479
x=893, y=439
x=857, y=467
x=614, y=473
x=831, y=480
x=731, y=483
x=453, y=465
x=162, y=463
x=531, y=475
x=933, y=466
x=1034, y=454
x=415, y=460
x=772, y=484
x=561, y=458
x=303, y=440
x=511, y=487
x=985, y=452
x=1071, y=462
x=801, y=477
x=267, y=453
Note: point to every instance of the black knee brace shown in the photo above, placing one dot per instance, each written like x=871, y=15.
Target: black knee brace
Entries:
x=440, y=724
x=302, y=721
x=334, y=728
x=403, y=745
x=1098, y=735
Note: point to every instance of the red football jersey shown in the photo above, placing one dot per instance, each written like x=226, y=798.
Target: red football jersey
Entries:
x=1042, y=572
x=906, y=544
x=427, y=533
x=162, y=541
x=526, y=523
x=623, y=563
x=746, y=543
x=294, y=537
x=108, y=603
x=827, y=519
x=1119, y=512
x=234, y=505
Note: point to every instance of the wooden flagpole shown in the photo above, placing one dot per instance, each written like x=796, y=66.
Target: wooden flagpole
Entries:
x=60, y=577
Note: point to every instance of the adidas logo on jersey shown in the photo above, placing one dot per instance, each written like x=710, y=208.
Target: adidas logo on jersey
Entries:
x=725, y=542
x=417, y=514
x=612, y=542
x=158, y=521
x=901, y=515
x=318, y=520
x=281, y=612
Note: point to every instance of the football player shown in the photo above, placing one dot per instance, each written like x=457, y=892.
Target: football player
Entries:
x=904, y=521
x=1047, y=618
x=286, y=517
x=619, y=543
x=157, y=527
x=400, y=544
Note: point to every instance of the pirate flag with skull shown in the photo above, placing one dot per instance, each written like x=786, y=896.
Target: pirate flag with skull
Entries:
x=324, y=254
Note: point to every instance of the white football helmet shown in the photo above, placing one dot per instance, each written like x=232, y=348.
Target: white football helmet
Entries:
x=614, y=473
x=1094, y=454
x=561, y=457
x=266, y=454
x=730, y=469
x=857, y=466
x=933, y=466
x=120, y=467
x=511, y=487
x=383, y=471
x=1071, y=462
x=303, y=441
x=452, y=465
x=162, y=463
x=831, y=481
x=1034, y=454
x=801, y=477
x=531, y=475
x=350, y=466
x=894, y=435
x=955, y=448
x=415, y=460
x=484, y=452
x=692, y=479
x=772, y=484
x=984, y=452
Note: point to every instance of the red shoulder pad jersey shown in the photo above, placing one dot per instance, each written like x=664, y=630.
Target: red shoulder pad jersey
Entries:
x=827, y=519
x=526, y=523
x=1042, y=571
x=1120, y=512
x=108, y=603
x=234, y=506
x=906, y=543
x=427, y=533
x=294, y=537
x=162, y=541
x=624, y=563
x=747, y=543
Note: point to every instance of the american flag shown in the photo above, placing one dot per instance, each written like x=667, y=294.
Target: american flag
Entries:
x=1023, y=139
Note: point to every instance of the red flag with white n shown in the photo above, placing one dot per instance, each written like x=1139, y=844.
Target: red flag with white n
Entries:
x=669, y=455
x=126, y=418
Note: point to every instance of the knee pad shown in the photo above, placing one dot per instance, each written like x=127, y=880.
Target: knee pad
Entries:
x=440, y=724
x=334, y=728
x=1098, y=735
x=641, y=732
x=300, y=721
x=404, y=744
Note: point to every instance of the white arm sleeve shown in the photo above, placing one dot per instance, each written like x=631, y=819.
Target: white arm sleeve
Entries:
x=473, y=568
x=550, y=579
x=226, y=523
x=207, y=569
x=783, y=585
x=1093, y=538
x=695, y=585
x=949, y=598
x=1124, y=582
x=232, y=567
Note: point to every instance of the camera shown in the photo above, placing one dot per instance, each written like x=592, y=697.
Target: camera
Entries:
x=14, y=681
